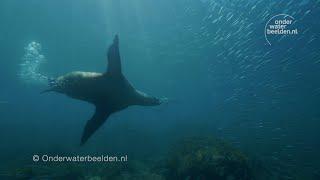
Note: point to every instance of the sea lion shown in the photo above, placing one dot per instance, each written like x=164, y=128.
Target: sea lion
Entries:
x=109, y=91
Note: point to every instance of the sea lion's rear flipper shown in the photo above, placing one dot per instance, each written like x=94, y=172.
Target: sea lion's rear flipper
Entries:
x=114, y=60
x=100, y=116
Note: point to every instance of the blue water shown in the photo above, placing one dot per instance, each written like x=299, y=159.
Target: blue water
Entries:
x=210, y=58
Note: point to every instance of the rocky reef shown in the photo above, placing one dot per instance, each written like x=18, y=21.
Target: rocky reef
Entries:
x=134, y=170
x=207, y=158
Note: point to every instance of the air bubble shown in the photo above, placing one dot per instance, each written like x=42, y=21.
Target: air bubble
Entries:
x=31, y=61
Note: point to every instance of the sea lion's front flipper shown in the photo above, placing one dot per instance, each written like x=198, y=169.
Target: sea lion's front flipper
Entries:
x=114, y=60
x=100, y=116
